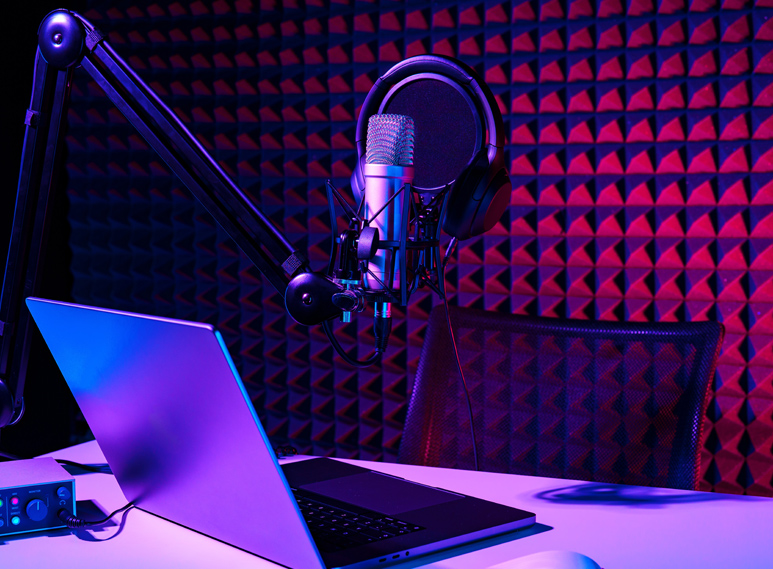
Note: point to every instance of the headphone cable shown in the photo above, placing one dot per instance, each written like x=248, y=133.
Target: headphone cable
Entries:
x=451, y=246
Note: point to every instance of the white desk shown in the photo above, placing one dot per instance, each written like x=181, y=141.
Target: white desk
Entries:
x=618, y=526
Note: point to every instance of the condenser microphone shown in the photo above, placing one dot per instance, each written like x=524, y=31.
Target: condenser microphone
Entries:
x=388, y=167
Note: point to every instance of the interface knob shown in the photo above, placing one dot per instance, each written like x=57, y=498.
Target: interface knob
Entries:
x=37, y=510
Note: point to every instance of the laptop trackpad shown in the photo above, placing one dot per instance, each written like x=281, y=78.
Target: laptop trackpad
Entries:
x=381, y=493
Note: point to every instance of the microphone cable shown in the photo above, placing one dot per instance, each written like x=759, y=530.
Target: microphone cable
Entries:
x=375, y=358
x=449, y=252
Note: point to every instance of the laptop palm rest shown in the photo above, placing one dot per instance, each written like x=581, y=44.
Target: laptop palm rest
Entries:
x=381, y=493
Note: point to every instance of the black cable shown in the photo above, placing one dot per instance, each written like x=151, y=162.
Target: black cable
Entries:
x=376, y=357
x=99, y=469
x=449, y=251
x=9, y=456
x=73, y=522
x=464, y=381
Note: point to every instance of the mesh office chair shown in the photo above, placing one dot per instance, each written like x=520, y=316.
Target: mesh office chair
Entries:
x=603, y=401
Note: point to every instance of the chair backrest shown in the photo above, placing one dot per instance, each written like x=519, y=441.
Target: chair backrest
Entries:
x=617, y=402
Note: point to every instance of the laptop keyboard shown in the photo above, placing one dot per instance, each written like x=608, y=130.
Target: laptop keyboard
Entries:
x=334, y=528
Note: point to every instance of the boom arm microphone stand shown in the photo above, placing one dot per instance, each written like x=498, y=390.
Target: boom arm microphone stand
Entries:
x=66, y=40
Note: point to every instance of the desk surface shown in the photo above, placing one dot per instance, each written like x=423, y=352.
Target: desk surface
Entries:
x=618, y=526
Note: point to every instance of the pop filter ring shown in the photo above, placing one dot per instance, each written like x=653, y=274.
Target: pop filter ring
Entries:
x=449, y=71
x=472, y=103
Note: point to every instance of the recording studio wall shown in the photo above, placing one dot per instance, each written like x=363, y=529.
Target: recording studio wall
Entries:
x=639, y=140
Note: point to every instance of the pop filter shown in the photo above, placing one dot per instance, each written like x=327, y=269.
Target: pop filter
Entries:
x=458, y=138
x=447, y=128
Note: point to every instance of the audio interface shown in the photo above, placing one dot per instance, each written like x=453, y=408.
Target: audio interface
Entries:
x=32, y=492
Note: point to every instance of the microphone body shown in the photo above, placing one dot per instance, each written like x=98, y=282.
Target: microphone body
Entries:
x=382, y=182
x=388, y=167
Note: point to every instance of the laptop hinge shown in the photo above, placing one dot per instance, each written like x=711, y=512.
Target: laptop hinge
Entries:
x=419, y=484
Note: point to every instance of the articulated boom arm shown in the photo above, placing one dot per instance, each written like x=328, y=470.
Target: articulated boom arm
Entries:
x=66, y=40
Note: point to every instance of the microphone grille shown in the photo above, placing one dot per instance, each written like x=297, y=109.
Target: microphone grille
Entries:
x=390, y=140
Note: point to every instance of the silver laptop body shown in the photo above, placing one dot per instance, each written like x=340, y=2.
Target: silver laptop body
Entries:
x=177, y=427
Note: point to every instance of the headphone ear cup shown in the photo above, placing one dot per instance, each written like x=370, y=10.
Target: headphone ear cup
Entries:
x=6, y=405
x=461, y=205
x=494, y=203
x=358, y=177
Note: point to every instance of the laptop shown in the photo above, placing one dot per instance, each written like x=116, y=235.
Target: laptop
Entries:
x=177, y=427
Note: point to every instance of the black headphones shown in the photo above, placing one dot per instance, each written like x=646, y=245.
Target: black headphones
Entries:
x=480, y=194
x=7, y=407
